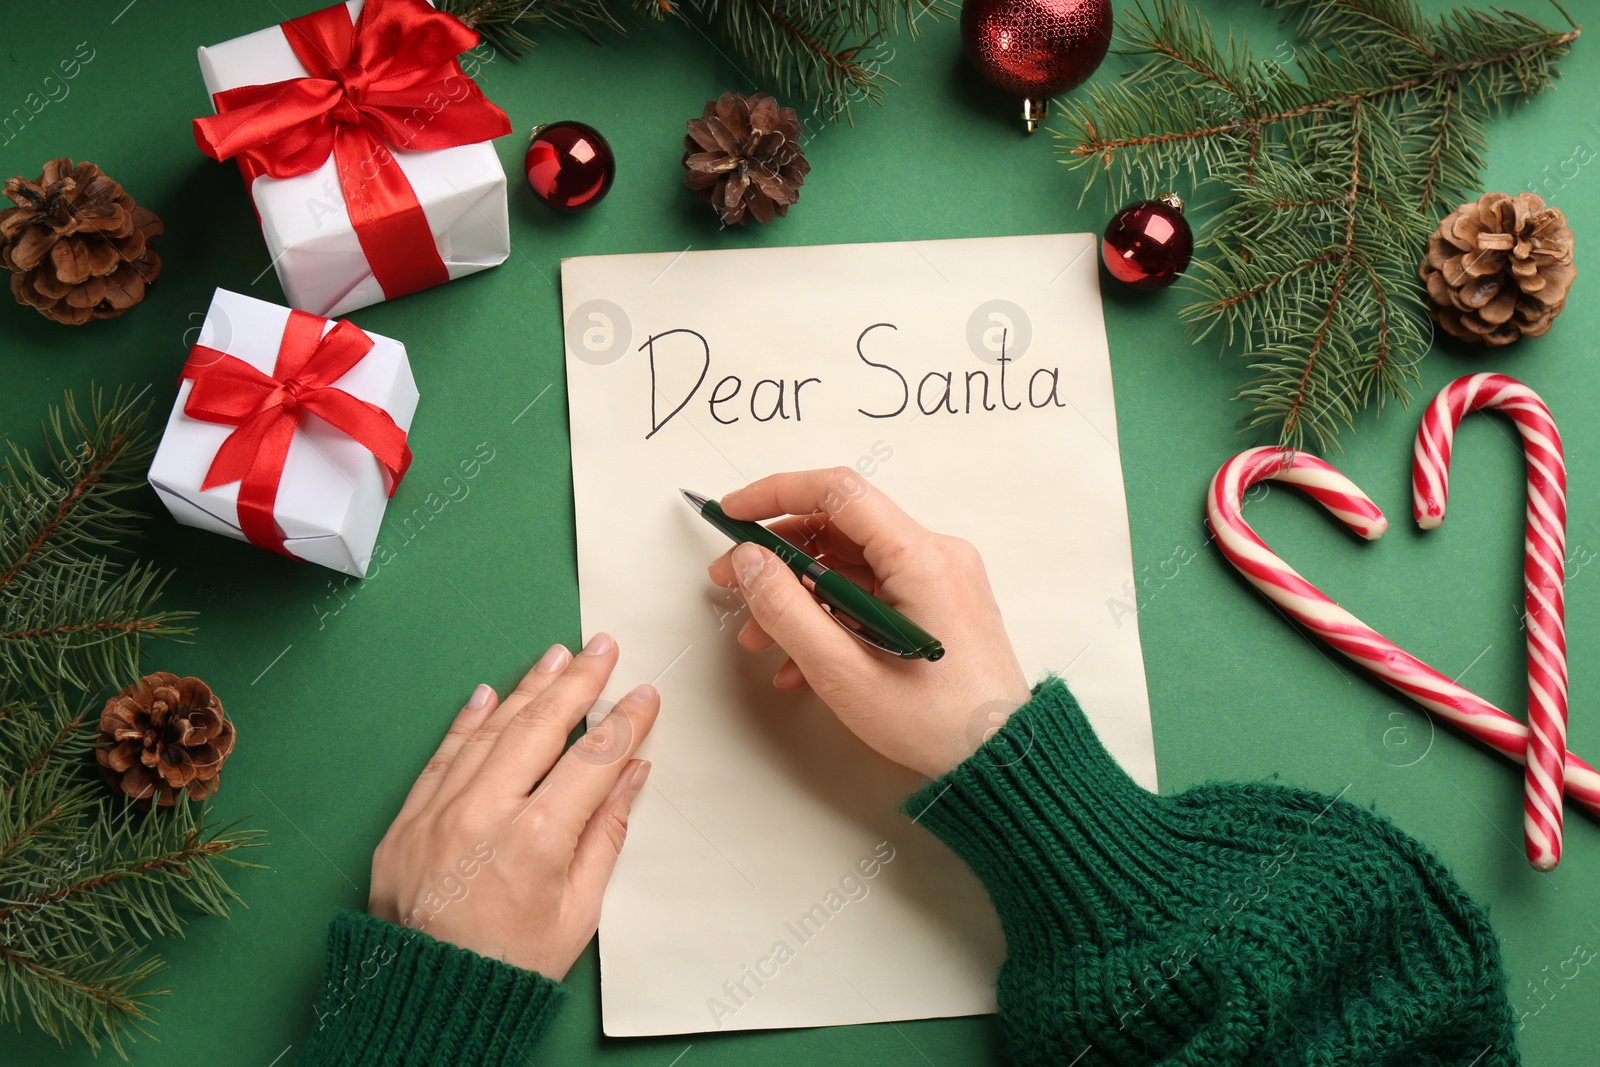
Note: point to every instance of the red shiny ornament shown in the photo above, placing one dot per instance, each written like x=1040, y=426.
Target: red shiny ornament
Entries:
x=569, y=165
x=1148, y=243
x=1036, y=48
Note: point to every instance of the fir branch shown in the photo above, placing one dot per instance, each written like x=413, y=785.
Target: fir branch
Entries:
x=1296, y=401
x=832, y=63
x=113, y=997
x=507, y=23
x=66, y=612
x=829, y=55
x=1312, y=277
x=1441, y=143
x=55, y=997
x=85, y=881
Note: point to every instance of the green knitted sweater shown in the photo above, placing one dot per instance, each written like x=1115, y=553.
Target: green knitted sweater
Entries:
x=1231, y=924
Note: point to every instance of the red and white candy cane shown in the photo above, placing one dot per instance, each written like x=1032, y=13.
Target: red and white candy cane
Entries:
x=1543, y=573
x=1359, y=643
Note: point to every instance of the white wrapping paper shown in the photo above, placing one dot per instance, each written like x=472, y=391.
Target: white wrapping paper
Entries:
x=309, y=237
x=334, y=491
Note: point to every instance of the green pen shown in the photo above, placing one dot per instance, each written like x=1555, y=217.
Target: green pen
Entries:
x=851, y=606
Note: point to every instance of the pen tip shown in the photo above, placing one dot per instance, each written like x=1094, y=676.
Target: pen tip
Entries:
x=695, y=499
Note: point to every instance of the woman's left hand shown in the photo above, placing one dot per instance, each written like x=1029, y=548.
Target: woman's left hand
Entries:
x=505, y=844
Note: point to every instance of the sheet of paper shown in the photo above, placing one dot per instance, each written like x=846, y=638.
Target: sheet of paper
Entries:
x=769, y=879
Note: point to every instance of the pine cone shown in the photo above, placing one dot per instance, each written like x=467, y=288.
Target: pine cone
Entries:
x=744, y=158
x=77, y=244
x=161, y=735
x=1499, y=269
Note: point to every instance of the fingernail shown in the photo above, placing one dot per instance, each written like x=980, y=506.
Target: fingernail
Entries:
x=480, y=698
x=636, y=783
x=717, y=581
x=748, y=563
x=598, y=645
x=641, y=692
x=555, y=657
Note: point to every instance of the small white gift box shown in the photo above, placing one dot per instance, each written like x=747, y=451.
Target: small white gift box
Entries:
x=305, y=218
x=333, y=490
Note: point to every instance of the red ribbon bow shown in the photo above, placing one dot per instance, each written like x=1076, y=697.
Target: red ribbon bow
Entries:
x=389, y=80
x=267, y=409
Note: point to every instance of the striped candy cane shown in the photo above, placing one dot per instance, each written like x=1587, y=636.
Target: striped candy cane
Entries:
x=1357, y=641
x=1543, y=574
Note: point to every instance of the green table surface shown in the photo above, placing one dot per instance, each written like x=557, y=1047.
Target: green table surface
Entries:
x=341, y=688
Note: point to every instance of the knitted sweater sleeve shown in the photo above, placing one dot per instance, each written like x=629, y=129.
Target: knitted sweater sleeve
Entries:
x=395, y=997
x=1228, y=925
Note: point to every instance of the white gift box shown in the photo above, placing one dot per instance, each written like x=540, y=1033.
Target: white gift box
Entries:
x=307, y=229
x=333, y=492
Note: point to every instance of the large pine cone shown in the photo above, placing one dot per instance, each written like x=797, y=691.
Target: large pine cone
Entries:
x=77, y=244
x=1499, y=269
x=744, y=158
x=161, y=735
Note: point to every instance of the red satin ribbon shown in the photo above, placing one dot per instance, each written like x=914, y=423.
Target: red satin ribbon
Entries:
x=389, y=80
x=267, y=409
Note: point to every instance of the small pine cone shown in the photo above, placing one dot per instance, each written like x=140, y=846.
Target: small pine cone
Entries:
x=77, y=244
x=1499, y=269
x=744, y=159
x=163, y=735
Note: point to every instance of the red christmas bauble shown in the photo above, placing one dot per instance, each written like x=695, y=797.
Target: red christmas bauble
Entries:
x=1148, y=243
x=569, y=165
x=1036, y=48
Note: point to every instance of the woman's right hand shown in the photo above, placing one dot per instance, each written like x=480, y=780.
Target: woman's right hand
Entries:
x=927, y=716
